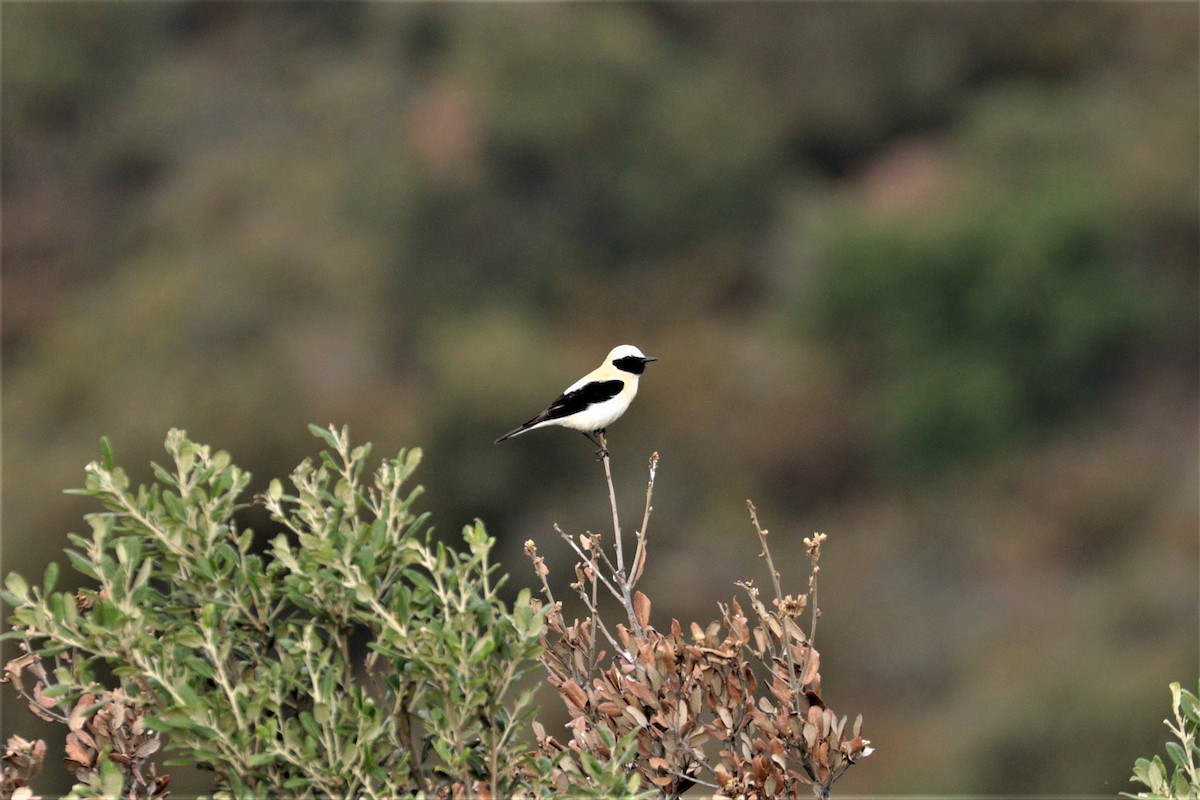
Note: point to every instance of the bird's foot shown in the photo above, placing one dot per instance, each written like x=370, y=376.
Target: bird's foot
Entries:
x=597, y=438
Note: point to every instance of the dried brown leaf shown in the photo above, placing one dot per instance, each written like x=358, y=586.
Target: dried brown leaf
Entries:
x=816, y=717
x=86, y=739
x=640, y=691
x=40, y=713
x=641, y=608
x=853, y=747
x=147, y=748
x=681, y=718
x=79, y=713
x=40, y=697
x=814, y=664
x=636, y=715
x=77, y=755
x=659, y=763
x=609, y=709
x=574, y=694
x=13, y=669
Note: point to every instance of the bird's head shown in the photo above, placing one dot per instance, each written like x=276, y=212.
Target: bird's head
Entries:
x=628, y=358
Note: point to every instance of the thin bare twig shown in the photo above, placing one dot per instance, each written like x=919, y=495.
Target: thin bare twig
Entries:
x=591, y=561
x=766, y=555
x=596, y=621
x=612, y=499
x=639, y=555
x=621, y=576
x=589, y=602
x=813, y=549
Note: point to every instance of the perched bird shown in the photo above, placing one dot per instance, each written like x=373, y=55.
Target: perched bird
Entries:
x=596, y=400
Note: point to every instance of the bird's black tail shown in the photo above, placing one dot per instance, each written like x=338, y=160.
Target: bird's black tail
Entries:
x=513, y=432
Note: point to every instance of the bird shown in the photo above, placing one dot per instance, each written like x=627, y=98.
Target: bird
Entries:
x=595, y=401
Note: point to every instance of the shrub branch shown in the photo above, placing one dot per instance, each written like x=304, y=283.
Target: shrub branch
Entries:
x=692, y=707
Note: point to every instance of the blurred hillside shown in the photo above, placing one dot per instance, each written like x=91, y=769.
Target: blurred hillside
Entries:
x=922, y=276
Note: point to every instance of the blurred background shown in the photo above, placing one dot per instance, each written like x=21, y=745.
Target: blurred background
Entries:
x=921, y=276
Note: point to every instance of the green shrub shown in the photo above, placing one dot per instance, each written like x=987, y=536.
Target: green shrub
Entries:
x=251, y=665
x=1184, y=783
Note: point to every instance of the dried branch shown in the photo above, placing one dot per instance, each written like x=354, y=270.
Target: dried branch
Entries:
x=693, y=707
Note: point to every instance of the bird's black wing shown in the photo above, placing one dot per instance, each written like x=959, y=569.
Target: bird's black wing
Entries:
x=572, y=402
x=589, y=394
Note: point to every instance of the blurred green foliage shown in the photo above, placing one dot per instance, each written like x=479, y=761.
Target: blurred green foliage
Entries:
x=423, y=219
x=975, y=327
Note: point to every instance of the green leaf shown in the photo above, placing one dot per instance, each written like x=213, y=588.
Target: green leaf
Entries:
x=17, y=586
x=112, y=779
x=1189, y=706
x=406, y=463
x=591, y=765
x=144, y=573
x=349, y=751
x=200, y=667
x=239, y=787
x=324, y=435
x=176, y=721
x=363, y=592
x=120, y=480
x=418, y=580
x=482, y=649
x=188, y=637
x=403, y=601
x=58, y=690
x=162, y=475
x=49, y=578
x=174, y=505
x=82, y=564
x=1177, y=754
x=1141, y=770
x=190, y=698
x=309, y=724
x=383, y=649
x=1155, y=775
x=106, y=453
x=442, y=748
x=57, y=605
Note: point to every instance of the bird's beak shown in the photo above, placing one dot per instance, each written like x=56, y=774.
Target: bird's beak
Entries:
x=648, y=359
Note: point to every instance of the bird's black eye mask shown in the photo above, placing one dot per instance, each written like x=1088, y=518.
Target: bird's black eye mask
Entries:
x=630, y=364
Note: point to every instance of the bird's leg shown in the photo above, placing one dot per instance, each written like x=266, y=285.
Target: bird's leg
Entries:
x=597, y=438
